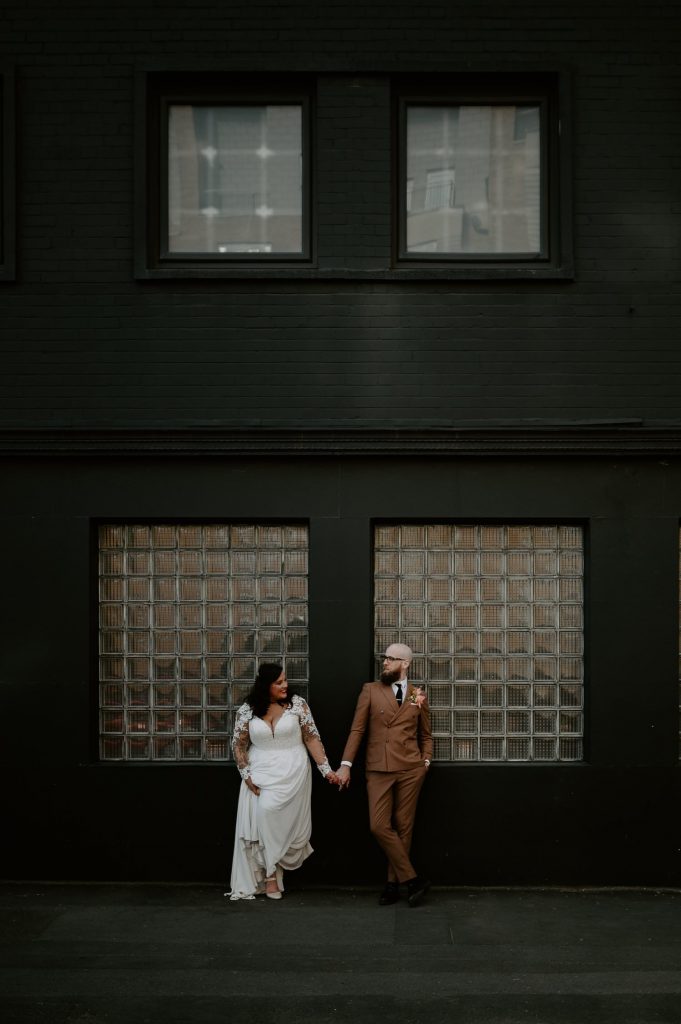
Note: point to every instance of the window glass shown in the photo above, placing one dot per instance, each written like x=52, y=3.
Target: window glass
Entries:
x=186, y=615
x=473, y=180
x=235, y=179
x=494, y=616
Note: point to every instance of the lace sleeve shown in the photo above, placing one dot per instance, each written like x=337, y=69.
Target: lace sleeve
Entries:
x=311, y=737
x=241, y=740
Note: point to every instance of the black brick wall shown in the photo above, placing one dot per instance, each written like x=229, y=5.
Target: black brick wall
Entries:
x=84, y=343
x=87, y=344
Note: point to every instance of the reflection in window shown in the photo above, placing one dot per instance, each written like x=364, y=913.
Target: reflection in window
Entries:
x=494, y=616
x=186, y=614
x=235, y=179
x=473, y=177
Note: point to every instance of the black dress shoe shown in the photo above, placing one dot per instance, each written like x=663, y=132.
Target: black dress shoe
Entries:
x=390, y=894
x=416, y=890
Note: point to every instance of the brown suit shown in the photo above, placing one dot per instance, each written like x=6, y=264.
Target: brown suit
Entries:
x=398, y=744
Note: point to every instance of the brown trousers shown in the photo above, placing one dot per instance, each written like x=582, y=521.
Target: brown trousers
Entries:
x=392, y=807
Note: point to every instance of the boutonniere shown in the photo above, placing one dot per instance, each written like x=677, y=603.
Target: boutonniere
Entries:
x=417, y=697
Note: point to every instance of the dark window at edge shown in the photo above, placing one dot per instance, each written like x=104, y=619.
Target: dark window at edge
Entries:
x=7, y=172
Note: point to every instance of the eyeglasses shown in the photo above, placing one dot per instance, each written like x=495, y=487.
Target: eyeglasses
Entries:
x=389, y=657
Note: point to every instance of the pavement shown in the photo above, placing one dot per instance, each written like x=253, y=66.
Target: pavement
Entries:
x=140, y=954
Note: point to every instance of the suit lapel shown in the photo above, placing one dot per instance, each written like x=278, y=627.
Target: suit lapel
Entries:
x=390, y=701
x=405, y=698
x=388, y=698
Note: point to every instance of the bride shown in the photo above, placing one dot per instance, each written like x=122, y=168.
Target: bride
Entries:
x=273, y=822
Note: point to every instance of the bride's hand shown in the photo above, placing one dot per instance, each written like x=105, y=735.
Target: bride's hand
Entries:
x=252, y=786
x=332, y=778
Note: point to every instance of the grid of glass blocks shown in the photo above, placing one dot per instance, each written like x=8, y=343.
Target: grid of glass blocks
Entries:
x=494, y=616
x=186, y=615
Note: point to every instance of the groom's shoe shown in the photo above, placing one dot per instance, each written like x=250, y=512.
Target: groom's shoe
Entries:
x=416, y=889
x=390, y=894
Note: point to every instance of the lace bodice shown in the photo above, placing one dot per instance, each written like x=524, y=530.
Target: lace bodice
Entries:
x=296, y=725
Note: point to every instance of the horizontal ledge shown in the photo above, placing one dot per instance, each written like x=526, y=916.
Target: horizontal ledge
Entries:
x=413, y=273
x=597, y=439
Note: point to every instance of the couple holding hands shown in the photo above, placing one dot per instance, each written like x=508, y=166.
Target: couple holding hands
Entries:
x=273, y=734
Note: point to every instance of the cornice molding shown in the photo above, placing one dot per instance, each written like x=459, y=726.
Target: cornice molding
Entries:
x=549, y=440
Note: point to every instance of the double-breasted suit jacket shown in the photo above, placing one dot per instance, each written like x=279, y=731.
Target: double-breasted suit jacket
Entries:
x=398, y=737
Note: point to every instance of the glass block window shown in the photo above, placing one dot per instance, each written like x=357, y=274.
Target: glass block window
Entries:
x=494, y=616
x=186, y=615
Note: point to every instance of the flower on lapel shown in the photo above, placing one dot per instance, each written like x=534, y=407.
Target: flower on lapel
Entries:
x=417, y=696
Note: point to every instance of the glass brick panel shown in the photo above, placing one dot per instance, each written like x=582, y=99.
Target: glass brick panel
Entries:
x=112, y=747
x=440, y=696
x=111, y=695
x=492, y=722
x=442, y=748
x=439, y=668
x=492, y=696
x=465, y=749
x=441, y=722
x=111, y=721
x=439, y=563
x=492, y=748
x=217, y=748
x=164, y=748
x=518, y=749
x=494, y=615
x=187, y=612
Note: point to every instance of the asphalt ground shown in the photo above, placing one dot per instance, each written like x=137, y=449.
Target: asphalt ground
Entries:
x=128, y=954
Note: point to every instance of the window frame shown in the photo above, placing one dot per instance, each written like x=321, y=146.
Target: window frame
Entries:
x=99, y=630
x=396, y=633
x=550, y=93
x=319, y=260
x=156, y=94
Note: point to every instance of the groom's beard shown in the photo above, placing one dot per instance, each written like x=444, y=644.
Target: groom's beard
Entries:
x=390, y=677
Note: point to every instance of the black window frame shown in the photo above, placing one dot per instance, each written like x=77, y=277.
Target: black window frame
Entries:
x=8, y=179
x=156, y=93
x=323, y=205
x=550, y=92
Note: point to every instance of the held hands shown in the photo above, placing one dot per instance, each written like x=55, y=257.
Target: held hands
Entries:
x=343, y=777
x=332, y=778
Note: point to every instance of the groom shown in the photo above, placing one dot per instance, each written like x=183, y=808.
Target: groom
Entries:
x=394, y=715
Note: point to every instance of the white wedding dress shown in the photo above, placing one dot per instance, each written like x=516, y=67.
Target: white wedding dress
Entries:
x=273, y=830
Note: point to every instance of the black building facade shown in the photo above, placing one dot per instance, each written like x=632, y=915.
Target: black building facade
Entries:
x=327, y=326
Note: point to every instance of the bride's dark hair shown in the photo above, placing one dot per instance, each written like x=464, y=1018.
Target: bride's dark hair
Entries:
x=259, y=697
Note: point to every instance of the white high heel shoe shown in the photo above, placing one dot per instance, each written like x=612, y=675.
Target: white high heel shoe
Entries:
x=272, y=895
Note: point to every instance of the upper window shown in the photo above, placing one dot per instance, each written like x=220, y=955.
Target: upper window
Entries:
x=292, y=176
x=235, y=180
x=479, y=176
x=226, y=180
x=473, y=180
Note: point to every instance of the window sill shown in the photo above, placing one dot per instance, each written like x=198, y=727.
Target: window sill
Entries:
x=496, y=272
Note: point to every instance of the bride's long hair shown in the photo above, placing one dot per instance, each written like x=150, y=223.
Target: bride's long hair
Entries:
x=259, y=697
